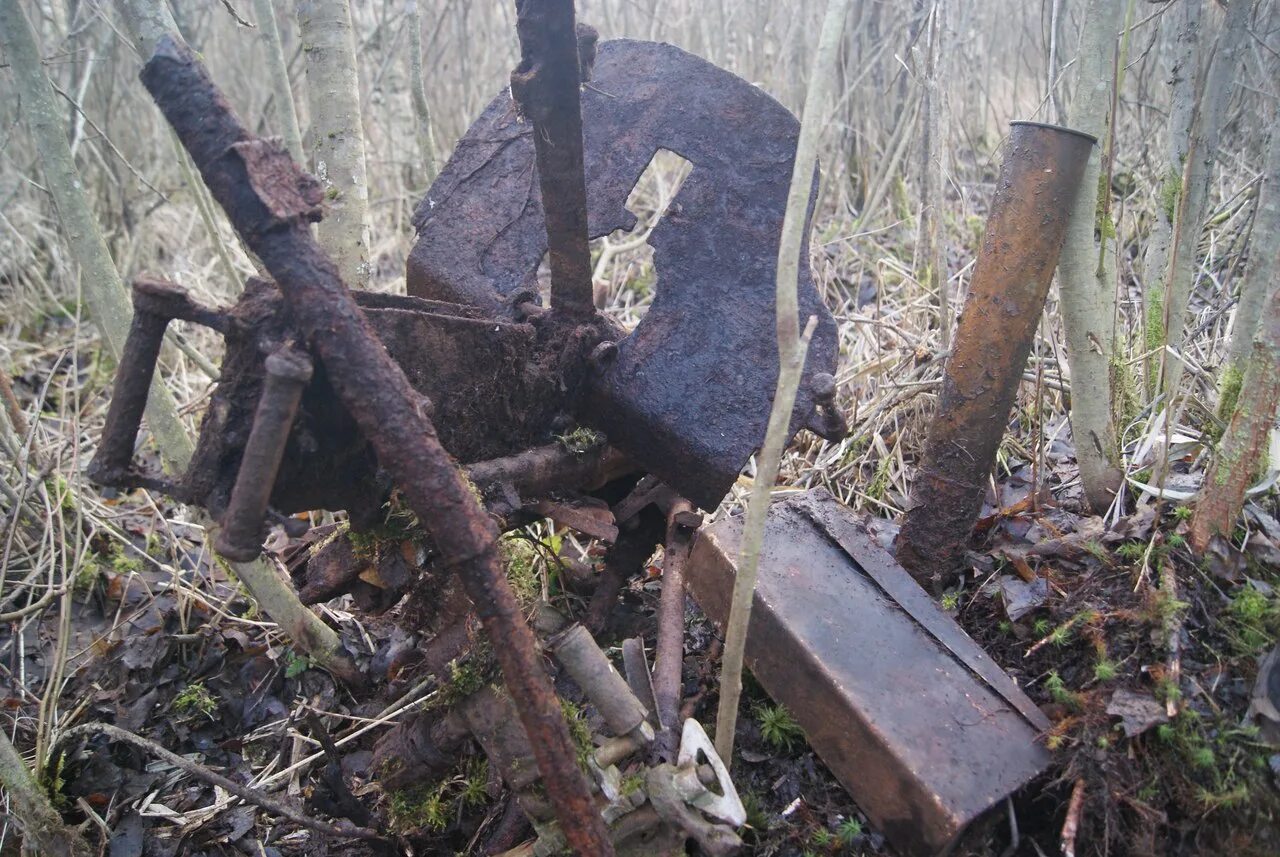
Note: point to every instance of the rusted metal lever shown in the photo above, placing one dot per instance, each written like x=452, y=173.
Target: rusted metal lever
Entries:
x=155, y=304
x=289, y=371
x=555, y=58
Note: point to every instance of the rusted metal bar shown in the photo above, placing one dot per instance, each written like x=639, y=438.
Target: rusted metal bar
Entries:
x=270, y=202
x=545, y=85
x=155, y=304
x=546, y=469
x=669, y=657
x=1039, y=179
x=912, y=716
x=624, y=558
x=288, y=372
x=639, y=677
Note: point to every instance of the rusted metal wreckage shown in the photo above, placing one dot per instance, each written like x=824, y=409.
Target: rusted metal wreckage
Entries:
x=453, y=396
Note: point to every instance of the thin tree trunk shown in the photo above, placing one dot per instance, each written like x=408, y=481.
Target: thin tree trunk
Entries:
x=930, y=249
x=337, y=134
x=44, y=833
x=418, y=93
x=1194, y=206
x=281, y=89
x=1087, y=291
x=1245, y=443
x=1182, y=83
x=1259, y=277
x=792, y=346
x=103, y=290
x=1055, y=98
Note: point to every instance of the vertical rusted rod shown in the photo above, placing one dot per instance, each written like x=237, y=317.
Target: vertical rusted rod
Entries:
x=270, y=202
x=1038, y=182
x=288, y=373
x=546, y=86
x=113, y=461
x=668, y=661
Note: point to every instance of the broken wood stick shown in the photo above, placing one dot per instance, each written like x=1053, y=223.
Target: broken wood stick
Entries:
x=213, y=778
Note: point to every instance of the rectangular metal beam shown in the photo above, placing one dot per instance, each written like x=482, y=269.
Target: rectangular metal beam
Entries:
x=917, y=722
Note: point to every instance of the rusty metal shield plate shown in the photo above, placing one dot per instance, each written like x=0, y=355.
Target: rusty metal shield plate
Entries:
x=687, y=395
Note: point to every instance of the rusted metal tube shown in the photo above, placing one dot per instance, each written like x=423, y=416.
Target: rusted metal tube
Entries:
x=270, y=202
x=288, y=373
x=546, y=85
x=1038, y=182
x=113, y=463
x=669, y=658
x=575, y=649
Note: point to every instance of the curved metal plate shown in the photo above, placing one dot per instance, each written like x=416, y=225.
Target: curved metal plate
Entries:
x=688, y=394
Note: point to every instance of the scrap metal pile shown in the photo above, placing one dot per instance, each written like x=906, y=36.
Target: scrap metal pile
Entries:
x=447, y=404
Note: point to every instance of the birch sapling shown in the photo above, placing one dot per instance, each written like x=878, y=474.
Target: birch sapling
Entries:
x=1085, y=282
x=1245, y=442
x=1259, y=278
x=792, y=346
x=337, y=134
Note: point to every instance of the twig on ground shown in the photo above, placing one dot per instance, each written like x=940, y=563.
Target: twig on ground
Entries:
x=257, y=798
x=1075, y=809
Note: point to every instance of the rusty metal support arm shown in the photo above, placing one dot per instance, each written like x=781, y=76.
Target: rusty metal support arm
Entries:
x=270, y=202
x=545, y=85
x=155, y=304
x=668, y=664
x=289, y=370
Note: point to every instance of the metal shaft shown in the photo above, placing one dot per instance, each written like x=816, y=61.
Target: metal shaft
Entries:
x=668, y=672
x=1038, y=183
x=546, y=86
x=603, y=685
x=288, y=373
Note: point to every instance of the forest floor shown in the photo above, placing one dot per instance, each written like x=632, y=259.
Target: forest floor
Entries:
x=1144, y=656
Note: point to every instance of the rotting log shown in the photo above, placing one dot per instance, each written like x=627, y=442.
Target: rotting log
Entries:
x=1038, y=183
x=271, y=203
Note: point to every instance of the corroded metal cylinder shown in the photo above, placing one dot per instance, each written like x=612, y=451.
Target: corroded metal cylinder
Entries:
x=578, y=652
x=1038, y=182
x=288, y=372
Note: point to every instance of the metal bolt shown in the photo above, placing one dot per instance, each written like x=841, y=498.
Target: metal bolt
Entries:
x=823, y=386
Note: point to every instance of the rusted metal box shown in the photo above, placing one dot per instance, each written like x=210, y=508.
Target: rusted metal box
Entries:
x=917, y=722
